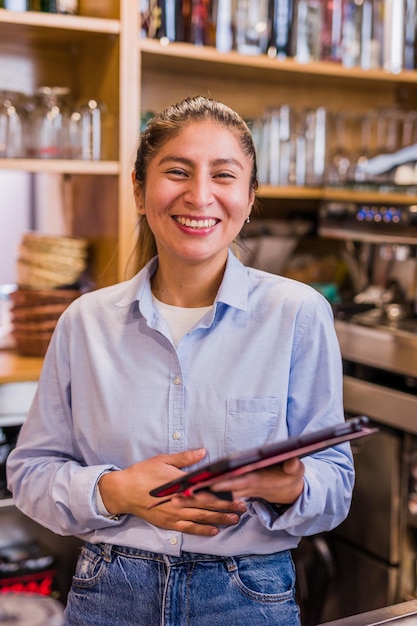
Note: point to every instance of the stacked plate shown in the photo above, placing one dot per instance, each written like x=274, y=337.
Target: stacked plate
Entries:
x=49, y=269
x=34, y=314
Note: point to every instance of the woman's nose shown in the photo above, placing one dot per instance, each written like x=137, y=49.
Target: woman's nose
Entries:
x=199, y=191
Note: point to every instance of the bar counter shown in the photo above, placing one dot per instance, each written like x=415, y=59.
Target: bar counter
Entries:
x=402, y=614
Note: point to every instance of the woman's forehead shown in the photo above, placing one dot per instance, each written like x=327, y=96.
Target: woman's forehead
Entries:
x=213, y=133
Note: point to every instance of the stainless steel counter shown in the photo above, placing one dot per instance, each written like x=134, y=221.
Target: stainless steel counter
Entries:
x=394, y=352
x=403, y=614
x=378, y=397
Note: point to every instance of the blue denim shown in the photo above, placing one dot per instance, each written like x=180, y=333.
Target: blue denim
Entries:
x=115, y=586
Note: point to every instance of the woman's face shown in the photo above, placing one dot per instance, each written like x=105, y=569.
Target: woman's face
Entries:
x=197, y=194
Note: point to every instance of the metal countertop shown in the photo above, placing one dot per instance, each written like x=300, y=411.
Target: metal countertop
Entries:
x=402, y=614
x=378, y=348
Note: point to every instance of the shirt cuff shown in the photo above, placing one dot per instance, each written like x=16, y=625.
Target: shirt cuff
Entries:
x=98, y=503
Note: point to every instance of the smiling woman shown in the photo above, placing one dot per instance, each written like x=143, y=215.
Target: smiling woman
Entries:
x=195, y=358
x=165, y=127
x=195, y=204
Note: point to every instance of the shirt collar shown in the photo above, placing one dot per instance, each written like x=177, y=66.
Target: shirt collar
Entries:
x=233, y=290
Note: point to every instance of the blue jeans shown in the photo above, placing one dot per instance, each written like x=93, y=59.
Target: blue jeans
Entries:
x=115, y=586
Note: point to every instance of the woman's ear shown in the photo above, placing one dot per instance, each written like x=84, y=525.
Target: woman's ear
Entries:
x=252, y=198
x=138, y=194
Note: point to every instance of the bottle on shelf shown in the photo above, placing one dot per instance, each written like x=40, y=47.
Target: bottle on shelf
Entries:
x=252, y=26
x=201, y=26
x=70, y=7
x=371, y=34
x=54, y=6
x=354, y=26
x=14, y=5
x=394, y=15
x=333, y=21
x=224, y=25
x=410, y=40
x=162, y=19
x=46, y=6
x=280, y=22
x=307, y=29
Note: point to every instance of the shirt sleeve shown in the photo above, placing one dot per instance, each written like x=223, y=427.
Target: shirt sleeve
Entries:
x=46, y=474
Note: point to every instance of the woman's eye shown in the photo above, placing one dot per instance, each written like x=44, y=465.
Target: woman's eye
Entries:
x=224, y=175
x=177, y=172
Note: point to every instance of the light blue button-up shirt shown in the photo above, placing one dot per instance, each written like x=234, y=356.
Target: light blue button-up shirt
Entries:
x=262, y=365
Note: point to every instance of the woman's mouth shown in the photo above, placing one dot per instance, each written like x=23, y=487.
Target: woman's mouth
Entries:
x=209, y=222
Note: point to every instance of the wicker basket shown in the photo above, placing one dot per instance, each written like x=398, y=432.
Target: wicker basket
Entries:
x=38, y=314
x=29, y=343
x=37, y=277
x=52, y=244
x=50, y=261
x=34, y=315
x=39, y=297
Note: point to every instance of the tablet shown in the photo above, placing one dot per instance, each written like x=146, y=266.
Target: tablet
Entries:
x=257, y=458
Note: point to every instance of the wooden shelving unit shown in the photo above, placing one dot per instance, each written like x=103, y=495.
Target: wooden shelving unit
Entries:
x=100, y=52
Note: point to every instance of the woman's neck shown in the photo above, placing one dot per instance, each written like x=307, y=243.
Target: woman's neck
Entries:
x=192, y=288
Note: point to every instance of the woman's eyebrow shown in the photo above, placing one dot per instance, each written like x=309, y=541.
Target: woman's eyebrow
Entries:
x=177, y=159
x=220, y=161
x=228, y=161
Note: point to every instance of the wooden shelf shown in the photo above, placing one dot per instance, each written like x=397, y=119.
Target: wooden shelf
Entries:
x=183, y=57
x=61, y=166
x=364, y=195
x=290, y=192
x=56, y=23
x=15, y=368
x=338, y=194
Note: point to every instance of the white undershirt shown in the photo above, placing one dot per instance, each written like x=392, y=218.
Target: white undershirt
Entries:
x=179, y=319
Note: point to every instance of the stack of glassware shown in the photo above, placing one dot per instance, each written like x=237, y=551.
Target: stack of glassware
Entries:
x=49, y=125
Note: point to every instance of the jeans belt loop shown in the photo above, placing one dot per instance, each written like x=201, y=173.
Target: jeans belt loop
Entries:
x=106, y=549
x=231, y=564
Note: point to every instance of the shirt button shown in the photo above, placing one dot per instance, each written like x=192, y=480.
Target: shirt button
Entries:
x=177, y=380
x=176, y=435
x=173, y=541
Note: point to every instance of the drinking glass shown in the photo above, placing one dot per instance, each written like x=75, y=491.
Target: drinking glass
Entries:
x=339, y=159
x=50, y=122
x=88, y=131
x=11, y=132
x=316, y=138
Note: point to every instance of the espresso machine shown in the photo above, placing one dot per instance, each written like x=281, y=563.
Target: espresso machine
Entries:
x=379, y=246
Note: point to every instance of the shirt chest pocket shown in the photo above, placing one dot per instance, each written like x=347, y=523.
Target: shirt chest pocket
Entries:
x=250, y=422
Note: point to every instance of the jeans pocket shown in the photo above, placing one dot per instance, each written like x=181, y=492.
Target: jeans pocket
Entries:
x=269, y=578
x=90, y=569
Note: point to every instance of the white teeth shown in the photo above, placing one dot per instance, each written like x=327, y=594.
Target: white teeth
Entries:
x=208, y=223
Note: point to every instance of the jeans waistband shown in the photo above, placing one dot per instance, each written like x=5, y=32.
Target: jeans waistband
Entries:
x=107, y=549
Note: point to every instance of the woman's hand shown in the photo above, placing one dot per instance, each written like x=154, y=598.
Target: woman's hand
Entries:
x=278, y=484
x=127, y=492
